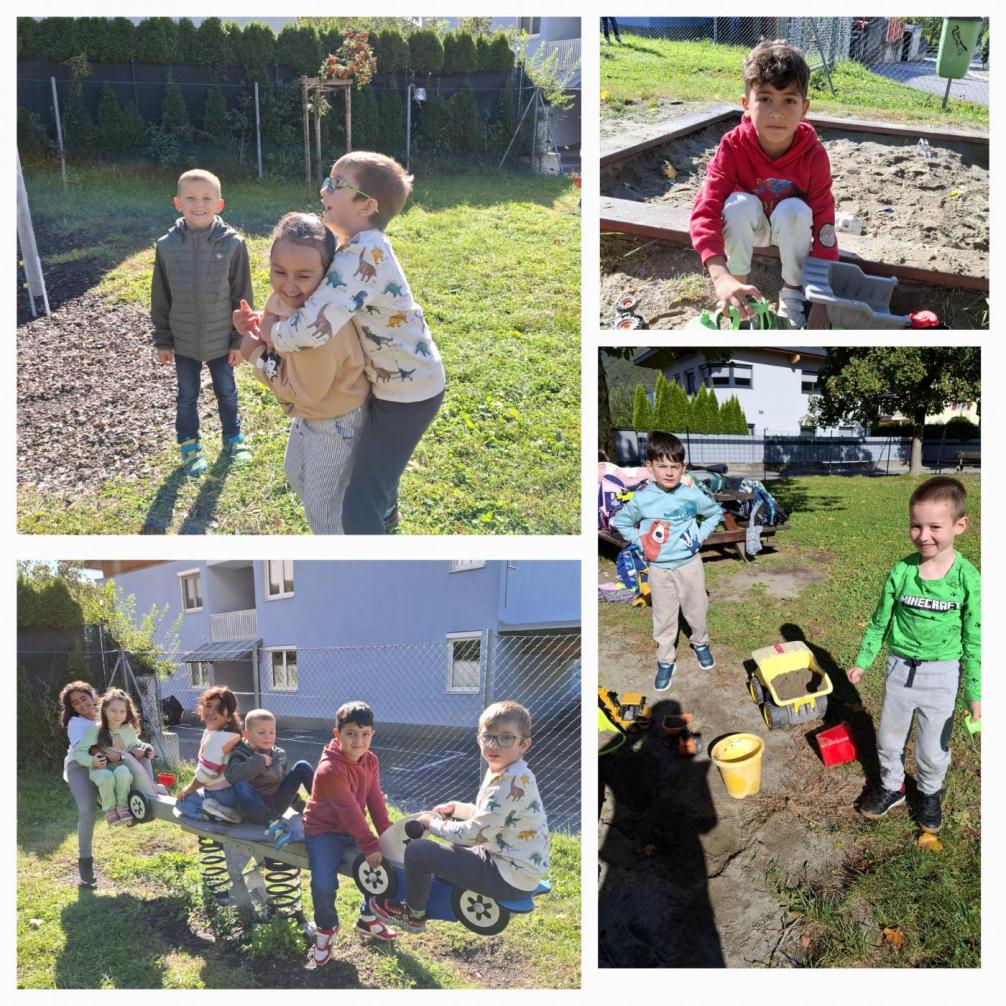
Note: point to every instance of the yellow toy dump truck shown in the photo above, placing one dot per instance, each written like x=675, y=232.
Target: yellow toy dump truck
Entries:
x=788, y=685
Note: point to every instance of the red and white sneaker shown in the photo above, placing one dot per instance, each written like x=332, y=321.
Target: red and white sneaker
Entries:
x=399, y=913
x=375, y=929
x=323, y=945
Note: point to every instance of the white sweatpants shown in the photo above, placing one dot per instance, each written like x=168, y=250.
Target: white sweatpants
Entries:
x=746, y=225
x=318, y=464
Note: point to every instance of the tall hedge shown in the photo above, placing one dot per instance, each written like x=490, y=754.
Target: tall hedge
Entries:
x=155, y=40
x=256, y=51
x=26, y=37
x=186, y=41
x=119, y=41
x=426, y=51
x=212, y=45
x=391, y=104
x=460, y=55
x=468, y=132
x=56, y=39
x=299, y=48
x=500, y=54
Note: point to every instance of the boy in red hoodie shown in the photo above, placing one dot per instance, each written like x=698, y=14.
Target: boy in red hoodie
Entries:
x=346, y=783
x=769, y=183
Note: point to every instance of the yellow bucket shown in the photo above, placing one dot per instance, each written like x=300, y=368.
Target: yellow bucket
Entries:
x=738, y=757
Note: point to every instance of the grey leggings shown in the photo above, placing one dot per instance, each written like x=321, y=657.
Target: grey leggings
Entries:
x=468, y=868
x=86, y=796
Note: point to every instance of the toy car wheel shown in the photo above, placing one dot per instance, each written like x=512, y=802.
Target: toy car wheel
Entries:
x=140, y=806
x=479, y=913
x=774, y=716
x=820, y=707
x=373, y=881
x=756, y=691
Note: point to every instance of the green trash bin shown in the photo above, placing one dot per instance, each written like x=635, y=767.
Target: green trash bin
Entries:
x=957, y=43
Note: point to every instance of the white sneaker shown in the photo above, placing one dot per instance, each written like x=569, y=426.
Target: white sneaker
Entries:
x=218, y=812
x=791, y=306
x=323, y=946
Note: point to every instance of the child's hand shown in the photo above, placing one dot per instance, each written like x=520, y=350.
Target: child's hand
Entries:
x=245, y=320
x=249, y=344
x=444, y=809
x=231, y=744
x=730, y=291
x=113, y=756
x=976, y=711
x=854, y=674
x=268, y=760
x=374, y=860
x=234, y=357
x=424, y=819
x=817, y=317
x=165, y=355
x=265, y=330
x=99, y=760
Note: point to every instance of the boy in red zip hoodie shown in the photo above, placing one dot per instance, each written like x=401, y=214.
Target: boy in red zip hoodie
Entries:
x=346, y=783
x=769, y=183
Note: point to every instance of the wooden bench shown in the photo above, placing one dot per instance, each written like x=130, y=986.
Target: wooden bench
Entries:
x=968, y=458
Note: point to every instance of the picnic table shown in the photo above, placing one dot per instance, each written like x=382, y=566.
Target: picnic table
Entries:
x=733, y=535
x=968, y=458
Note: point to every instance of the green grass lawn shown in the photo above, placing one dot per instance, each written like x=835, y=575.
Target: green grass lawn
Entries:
x=493, y=258
x=645, y=71
x=148, y=924
x=855, y=528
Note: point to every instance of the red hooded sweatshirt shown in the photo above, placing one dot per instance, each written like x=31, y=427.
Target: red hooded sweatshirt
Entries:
x=341, y=791
x=740, y=165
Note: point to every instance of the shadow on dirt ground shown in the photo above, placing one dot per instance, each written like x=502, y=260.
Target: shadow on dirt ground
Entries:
x=689, y=876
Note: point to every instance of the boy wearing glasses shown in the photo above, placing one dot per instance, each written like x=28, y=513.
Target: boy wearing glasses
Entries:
x=365, y=283
x=499, y=843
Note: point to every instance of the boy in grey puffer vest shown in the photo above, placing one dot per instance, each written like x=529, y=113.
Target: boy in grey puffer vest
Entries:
x=201, y=275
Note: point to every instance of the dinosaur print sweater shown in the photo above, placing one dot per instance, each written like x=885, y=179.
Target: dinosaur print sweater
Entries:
x=508, y=819
x=366, y=283
x=740, y=165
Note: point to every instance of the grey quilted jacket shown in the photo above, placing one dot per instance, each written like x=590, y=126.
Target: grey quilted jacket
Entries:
x=200, y=277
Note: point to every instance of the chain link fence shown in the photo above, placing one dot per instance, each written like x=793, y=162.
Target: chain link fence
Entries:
x=775, y=453
x=427, y=698
x=901, y=49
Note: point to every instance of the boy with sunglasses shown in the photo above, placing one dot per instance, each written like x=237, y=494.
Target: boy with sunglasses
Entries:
x=365, y=283
x=499, y=843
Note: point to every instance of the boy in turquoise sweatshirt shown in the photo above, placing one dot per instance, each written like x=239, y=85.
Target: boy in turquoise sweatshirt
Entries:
x=660, y=520
x=930, y=611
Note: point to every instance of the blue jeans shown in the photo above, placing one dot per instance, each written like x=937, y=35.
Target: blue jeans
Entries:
x=324, y=853
x=187, y=401
x=254, y=806
x=192, y=805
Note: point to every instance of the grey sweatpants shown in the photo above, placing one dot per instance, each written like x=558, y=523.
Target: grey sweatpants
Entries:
x=388, y=439
x=318, y=465
x=467, y=868
x=928, y=689
x=672, y=590
x=85, y=795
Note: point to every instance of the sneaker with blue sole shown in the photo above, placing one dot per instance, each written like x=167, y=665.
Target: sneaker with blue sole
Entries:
x=704, y=656
x=664, y=674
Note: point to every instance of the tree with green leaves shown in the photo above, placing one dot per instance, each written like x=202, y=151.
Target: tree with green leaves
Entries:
x=859, y=383
x=679, y=412
x=255, y=51
x=426, y=52
x=155, y=40
x=475, y=25
x=56, y=39
x=78, y=129
x=110, y=138
x=642, y=411
x=299, y=48
x=186, y=41
x=212, y=45
x=215, y=124
x=661, y=405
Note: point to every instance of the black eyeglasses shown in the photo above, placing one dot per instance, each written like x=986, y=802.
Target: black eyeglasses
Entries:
x=499, y=740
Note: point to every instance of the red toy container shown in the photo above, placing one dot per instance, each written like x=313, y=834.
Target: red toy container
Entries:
x=166, y=779
x=836, y=745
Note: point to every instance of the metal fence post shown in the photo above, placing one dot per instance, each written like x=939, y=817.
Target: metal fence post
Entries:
x=59, y=131
x=258, y=133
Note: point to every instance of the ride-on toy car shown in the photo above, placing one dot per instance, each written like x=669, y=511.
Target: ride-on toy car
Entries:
x=477, y=912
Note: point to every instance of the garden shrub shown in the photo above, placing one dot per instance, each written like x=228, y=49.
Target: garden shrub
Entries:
x=426, y=52
x=465, y=55
x=56, y=39
x=467, y=127
x=174, y=113
x=155, y=40
x=255, y=52
x=109, y=130
x=501, y=53
x=185, y=41
x=32, y=137
x=41, y=741
x=300, y=49
x=26, y=37
x=391, y=105
x=212, y=45
x=215, y=123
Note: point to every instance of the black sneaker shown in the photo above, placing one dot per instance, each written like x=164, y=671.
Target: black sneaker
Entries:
x=880, y=801
x=86, y=869
x=930, y=815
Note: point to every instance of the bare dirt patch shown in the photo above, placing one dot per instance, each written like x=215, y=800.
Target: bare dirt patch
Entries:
x=93, y=403
x=690, y=877
x=780, y=581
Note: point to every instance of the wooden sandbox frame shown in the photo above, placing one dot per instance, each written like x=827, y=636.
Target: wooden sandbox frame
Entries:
x=628, y=216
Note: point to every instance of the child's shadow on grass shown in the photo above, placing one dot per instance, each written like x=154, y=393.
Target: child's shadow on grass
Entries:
x=94, y=926
x=845, y=704
x=161, y=510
